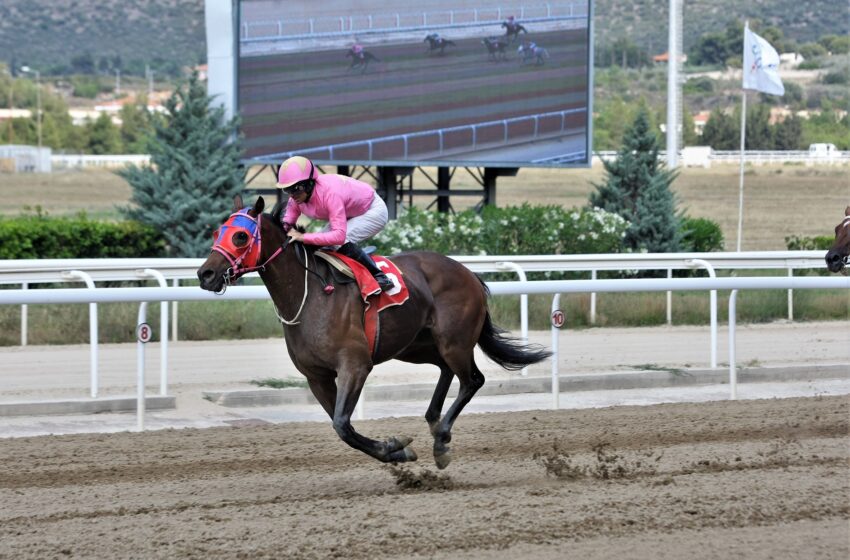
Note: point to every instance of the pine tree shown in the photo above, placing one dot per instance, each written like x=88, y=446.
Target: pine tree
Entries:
x=637, y=188
x=194, y=174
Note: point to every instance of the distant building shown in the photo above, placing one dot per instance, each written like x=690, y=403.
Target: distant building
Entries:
x=17, y=158
x=664, y=57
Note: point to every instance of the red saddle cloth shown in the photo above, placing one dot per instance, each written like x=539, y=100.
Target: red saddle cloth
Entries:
x=376, y=300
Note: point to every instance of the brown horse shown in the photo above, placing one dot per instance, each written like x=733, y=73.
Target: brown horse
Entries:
x=837, y=256
x=444, y=318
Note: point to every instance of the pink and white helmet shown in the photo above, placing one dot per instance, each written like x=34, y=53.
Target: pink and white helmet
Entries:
x=294, y=170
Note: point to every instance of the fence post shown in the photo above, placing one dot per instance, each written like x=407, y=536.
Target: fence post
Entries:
x=93, y=349
x=733, y=371
x=712, y=303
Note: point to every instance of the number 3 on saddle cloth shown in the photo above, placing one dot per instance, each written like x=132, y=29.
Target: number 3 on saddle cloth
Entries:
x=376, y=300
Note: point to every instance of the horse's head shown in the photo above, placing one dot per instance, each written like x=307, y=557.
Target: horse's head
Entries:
x=237, y=247
x=837, y=256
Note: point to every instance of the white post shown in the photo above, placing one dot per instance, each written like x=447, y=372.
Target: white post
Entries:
x=669, y=300
x=790, y=297
x=140, y=369
x=163, y=331
x=741, y=174
x=24, y=317
x=712, y=305
x=556, y=385
x=93, y=349
x=672, y=88
x=523, y=304
x=733, y=371
x=176, y=284
x=593, y=301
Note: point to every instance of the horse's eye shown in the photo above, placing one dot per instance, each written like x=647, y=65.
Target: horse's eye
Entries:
x=240, y=238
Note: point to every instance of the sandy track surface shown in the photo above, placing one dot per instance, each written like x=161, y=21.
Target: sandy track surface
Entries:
x=754, y=479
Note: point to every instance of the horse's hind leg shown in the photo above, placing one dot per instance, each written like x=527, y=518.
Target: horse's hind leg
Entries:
x=470, y=380
x=349, y=386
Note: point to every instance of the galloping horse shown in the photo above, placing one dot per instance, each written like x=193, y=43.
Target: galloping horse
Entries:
x=441, y=322
x=361, y=60
x=837, y=256
x=437, y=43
x=512, y=30
x=495, y=48
x=538, y=54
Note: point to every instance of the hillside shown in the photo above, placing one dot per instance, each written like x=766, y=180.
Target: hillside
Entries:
x=167, y=34
x=50, y=34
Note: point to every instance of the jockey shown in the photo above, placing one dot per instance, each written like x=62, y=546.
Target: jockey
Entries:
x=357, y=50
x=352, y=208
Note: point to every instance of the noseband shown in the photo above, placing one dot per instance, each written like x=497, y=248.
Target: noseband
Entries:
x=242, y=259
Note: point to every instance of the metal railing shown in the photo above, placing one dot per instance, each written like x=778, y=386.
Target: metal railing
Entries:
x=388, y=22
x=145, y=295
x=471, y=138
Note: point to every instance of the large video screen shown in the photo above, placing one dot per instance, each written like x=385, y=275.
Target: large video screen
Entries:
x=432, y=82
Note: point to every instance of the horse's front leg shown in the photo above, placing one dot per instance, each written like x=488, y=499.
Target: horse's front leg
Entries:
x=349, y=386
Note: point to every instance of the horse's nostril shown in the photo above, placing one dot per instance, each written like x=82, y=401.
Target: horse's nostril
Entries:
x=206, y=275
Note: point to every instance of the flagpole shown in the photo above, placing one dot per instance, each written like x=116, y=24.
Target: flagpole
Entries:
x=741, y=177
x=743, y=136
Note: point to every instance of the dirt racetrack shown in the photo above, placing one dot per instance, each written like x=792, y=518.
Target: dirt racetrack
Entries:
x=748, y=479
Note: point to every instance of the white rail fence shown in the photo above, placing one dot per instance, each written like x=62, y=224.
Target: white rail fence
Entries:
x=751, y=157
x=30, y=272
x=255, y=28
x=557, y=287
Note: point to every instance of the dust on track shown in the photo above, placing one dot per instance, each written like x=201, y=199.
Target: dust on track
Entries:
x=763, y=478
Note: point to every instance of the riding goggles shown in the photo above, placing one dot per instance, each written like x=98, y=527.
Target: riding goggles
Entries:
x=298, y=187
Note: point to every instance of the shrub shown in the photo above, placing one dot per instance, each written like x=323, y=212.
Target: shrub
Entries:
x=700, y=235
x=802, y=243
x=516, y=230
x=39, y=237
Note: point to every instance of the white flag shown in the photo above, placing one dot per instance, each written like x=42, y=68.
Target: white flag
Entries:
x=761, y=65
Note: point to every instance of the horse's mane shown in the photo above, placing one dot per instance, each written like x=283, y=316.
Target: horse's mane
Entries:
x=276, y=214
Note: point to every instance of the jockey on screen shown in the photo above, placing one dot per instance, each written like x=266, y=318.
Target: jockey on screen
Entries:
x=352, y=208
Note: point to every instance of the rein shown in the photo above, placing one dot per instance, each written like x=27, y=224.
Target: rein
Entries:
x=244, y=259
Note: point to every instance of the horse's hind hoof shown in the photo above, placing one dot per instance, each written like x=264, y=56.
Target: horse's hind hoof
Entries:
x=396, y=443
x=402, y=456
x=443, y=459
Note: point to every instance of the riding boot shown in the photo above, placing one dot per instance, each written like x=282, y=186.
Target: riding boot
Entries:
x=353, y=251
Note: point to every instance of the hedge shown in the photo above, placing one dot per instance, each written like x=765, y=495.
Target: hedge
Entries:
x=40, y=237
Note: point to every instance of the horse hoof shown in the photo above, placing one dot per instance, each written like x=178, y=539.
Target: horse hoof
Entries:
x=403, y=441
x=443, y=459
x=402, y=456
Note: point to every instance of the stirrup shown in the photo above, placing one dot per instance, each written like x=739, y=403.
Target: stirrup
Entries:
x=384, y=282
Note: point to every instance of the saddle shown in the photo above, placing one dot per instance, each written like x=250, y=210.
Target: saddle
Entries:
x=348, y=270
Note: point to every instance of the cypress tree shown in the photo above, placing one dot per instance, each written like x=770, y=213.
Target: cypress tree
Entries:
x=637, y=187
x=194, y=174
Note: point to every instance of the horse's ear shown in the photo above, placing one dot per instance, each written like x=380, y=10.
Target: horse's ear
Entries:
x=258, y=206
x=237, y=203
x=847, y=211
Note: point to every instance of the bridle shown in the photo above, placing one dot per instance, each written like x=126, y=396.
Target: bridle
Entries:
x=242, y=259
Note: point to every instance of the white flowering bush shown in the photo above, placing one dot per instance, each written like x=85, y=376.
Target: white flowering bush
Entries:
x=515, y=230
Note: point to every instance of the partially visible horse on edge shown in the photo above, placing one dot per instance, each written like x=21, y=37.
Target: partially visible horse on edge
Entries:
x=837, y=256
x=361, y=60
x=443, y=320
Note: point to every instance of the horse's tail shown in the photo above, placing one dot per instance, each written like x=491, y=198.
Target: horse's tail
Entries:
x=508, y=352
